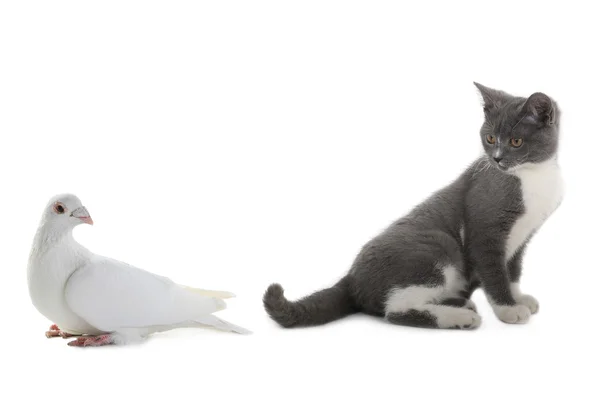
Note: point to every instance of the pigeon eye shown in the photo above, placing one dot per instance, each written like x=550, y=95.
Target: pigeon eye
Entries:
x=59, y=208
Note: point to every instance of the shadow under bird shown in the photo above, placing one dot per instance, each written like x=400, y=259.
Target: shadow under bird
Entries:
x=105, y=301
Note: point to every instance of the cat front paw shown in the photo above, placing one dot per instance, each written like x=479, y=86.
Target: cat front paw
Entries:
x=518, y=314
x=529, y=302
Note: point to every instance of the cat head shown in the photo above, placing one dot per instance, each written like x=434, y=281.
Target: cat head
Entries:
x=518, y=131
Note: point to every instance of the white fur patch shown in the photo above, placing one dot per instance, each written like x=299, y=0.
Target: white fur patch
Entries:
x=542, y=191
x=451, y=317
x=518, y=314
x=454, y=282
x=524, y=299
x=423, y=298
x=412, y=297
x=401, y=299
x=515, y=290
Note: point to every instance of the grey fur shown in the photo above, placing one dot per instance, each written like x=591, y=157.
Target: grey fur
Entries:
x=424, y=250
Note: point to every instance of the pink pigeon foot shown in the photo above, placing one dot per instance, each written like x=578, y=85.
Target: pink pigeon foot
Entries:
x=55, y=331
x=92, y=341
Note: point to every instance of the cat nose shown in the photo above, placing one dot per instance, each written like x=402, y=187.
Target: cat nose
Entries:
x=498, y=159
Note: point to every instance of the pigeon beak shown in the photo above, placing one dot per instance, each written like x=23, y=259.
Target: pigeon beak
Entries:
x=83, y=214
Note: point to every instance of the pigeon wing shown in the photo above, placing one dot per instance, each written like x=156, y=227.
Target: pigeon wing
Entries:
x=109, y=295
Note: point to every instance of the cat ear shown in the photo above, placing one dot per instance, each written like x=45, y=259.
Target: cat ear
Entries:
x=540, y=109
x=492, y=98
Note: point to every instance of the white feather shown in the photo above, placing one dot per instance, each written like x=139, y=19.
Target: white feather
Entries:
x=111, y=295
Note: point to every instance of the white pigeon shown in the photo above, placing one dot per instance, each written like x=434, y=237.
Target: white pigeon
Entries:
x=103, y=300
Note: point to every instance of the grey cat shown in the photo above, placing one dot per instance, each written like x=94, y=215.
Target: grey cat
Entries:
x=422, y=270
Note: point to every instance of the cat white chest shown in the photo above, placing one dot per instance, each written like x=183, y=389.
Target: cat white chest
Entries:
x=542, y=192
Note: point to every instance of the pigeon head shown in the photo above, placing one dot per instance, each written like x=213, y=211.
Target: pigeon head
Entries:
x=66, y=211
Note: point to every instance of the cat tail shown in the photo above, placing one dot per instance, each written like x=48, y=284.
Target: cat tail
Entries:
x=316, y=309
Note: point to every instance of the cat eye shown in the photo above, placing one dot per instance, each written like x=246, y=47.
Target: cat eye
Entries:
x=516, y=142
x=59, y=208
x=491, y=139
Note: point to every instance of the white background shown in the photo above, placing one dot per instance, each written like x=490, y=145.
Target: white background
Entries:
x=229, y=145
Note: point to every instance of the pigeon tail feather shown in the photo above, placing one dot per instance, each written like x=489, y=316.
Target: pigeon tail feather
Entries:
x=210, y=293
x=221, y=324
